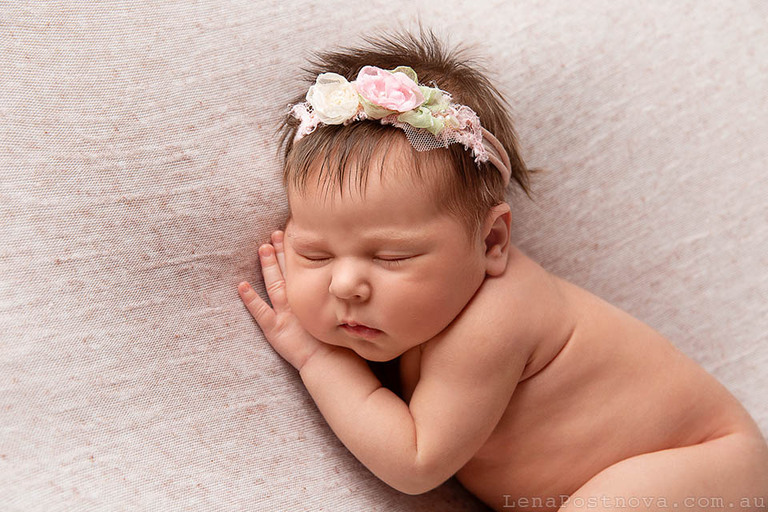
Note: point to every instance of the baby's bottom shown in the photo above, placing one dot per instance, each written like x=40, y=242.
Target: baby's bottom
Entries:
x=727, y=473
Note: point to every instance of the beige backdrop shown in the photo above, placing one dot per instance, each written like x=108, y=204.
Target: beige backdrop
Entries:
x=138, y=174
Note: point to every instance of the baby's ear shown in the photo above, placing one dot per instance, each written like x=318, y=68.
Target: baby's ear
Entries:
x=496, y=230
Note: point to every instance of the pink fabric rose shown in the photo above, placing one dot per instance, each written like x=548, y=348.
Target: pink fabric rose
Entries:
x=392, y=91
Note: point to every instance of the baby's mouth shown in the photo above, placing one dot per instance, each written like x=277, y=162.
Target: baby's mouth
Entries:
x=360, y=331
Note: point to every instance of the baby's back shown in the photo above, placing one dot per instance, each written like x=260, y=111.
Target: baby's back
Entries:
x=608, y=389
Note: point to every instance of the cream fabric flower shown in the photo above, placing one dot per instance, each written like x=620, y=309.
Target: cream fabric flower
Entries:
x=333, y=99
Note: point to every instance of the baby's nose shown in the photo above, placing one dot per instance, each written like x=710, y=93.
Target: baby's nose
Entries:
x=348, y=282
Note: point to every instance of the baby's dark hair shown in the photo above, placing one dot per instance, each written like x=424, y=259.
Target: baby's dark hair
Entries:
x=469, y=189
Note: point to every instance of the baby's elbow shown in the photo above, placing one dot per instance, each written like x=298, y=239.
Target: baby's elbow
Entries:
x=417, y=479
x=414, y=486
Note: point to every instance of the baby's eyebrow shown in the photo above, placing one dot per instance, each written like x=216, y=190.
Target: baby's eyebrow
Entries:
x=304, y=239
x=397, y=237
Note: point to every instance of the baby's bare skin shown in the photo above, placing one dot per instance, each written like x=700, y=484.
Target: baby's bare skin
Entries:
x=600, y=387
x=522, y=385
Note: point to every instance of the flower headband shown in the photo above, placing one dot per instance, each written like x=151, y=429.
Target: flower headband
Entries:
x=425, y=114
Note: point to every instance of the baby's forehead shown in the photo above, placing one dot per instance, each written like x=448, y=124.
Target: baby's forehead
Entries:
x=388, y=205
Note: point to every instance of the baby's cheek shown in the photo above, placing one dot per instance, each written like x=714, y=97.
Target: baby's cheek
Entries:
x=295, y=289
x=426, y=311
x=303, y=297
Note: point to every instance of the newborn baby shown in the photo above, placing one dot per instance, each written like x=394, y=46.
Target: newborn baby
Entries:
x=533, y=392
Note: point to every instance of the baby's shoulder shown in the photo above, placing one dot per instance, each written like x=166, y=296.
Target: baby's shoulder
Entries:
x=528, y=309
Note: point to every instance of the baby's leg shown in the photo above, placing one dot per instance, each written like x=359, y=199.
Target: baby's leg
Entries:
x=728, y=473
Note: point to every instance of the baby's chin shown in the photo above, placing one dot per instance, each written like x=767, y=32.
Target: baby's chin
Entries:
x=379, y=358
x=367, y=350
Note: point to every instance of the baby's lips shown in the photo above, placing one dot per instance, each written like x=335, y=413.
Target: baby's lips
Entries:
x=352, y=323
x=361, y=331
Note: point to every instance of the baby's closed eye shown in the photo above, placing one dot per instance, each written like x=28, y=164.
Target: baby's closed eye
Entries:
x=394, y=259
x=382, y=259
x=314, y=257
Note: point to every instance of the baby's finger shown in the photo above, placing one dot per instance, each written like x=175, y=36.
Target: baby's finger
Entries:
x=260, y=310
x=273, y=277
x=277, y=242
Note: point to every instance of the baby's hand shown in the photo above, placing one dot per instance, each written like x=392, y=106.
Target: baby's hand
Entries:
x=280, y=326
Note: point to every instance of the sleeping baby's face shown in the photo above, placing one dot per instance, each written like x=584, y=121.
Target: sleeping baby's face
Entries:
x=380, y=271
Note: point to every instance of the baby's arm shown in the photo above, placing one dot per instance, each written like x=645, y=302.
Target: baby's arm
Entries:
x=464, y=388
x=468, y=374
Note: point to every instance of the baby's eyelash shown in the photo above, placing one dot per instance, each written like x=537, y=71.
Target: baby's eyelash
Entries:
x=314, y=258
x=392, y=260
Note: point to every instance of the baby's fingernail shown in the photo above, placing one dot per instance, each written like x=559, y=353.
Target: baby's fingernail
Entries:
x=244, y=286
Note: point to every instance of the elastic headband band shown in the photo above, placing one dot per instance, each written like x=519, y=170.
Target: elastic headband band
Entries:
x=425, y=114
